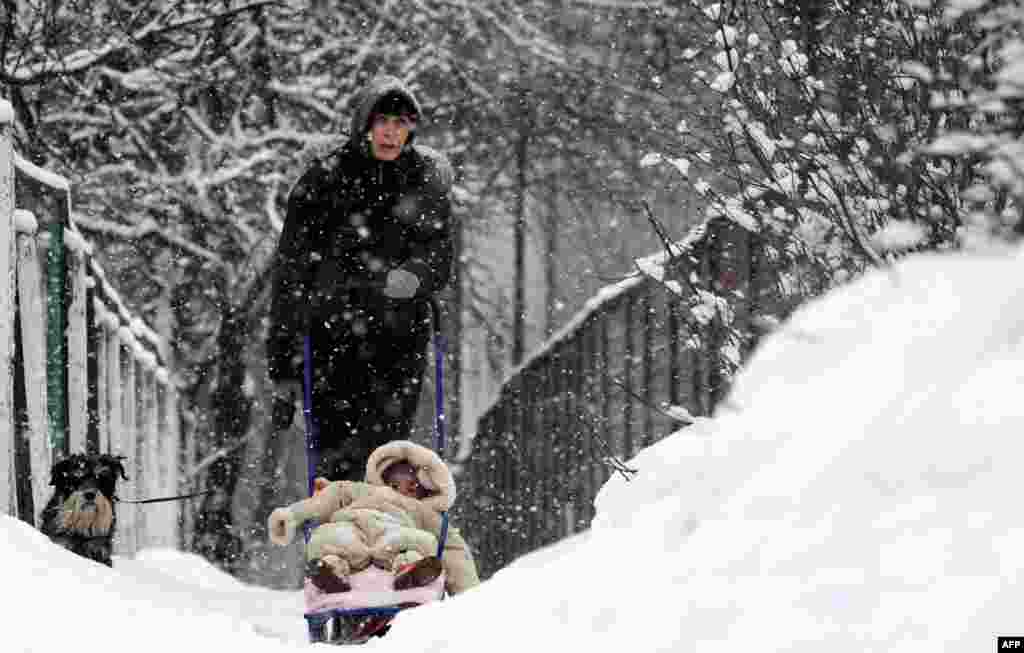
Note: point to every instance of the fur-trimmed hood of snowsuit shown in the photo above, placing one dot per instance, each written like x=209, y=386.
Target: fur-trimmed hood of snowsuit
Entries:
x=431, y=471
x=387, y=521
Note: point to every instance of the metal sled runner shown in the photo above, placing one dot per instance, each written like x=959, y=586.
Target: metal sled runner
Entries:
x=365, y=611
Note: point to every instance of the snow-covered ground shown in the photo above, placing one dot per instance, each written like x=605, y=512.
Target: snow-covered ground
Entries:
x=860, y=491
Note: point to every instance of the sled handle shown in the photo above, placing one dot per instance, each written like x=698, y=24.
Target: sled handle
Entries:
x=312, y=428
x=440, y=349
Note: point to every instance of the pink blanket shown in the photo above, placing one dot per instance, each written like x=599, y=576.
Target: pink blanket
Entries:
x=371, y=588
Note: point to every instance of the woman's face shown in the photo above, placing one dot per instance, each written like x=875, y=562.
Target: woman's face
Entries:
x=388, y=134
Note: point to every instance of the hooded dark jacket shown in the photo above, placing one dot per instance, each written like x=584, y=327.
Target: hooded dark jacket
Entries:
x=352, y=218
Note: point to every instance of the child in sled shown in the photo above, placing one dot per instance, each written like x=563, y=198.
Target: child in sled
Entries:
x=392, y=520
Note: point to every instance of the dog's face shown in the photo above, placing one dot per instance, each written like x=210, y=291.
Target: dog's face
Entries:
x=85, y=487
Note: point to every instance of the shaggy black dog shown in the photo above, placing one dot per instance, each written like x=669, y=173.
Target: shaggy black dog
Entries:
x=80, y=515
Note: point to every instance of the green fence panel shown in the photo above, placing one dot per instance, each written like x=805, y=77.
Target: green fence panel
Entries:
x=55, y=344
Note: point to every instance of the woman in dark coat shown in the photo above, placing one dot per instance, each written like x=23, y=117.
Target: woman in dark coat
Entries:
x=366, y=242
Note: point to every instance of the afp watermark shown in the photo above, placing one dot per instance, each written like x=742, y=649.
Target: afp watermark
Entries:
x=1010, y=643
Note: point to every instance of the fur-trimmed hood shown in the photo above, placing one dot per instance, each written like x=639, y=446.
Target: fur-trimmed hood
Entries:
x=432, y=473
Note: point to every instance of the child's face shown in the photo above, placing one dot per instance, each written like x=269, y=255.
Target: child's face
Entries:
x=403, y=480
x=407, y=485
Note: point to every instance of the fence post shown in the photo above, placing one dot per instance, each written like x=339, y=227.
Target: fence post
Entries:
x=128, y=438
x=101, y=315
x=163, y=446
x=170, y=446
x=174, y=436
x=8, y=501
x=77, y=343
x=33, y=320
x=114, y=419
x=151, y=464
x=184, y=430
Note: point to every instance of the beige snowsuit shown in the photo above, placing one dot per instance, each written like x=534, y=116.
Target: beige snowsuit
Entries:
x=369, y=522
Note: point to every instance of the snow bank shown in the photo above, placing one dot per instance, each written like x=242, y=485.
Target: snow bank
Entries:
x=858, y=492
x=161, y=601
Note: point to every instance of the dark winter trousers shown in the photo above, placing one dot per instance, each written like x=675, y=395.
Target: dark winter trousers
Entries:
x=366, y=391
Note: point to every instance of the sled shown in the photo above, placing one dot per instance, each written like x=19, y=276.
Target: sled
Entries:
x=366, y=610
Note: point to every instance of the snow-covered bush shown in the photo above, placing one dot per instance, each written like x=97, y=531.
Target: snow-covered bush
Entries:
x=820, y=122
x=988, y=101
x=848, y=134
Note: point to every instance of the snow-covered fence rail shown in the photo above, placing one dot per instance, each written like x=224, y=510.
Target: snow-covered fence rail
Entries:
x=79, y=373
x=642, y=358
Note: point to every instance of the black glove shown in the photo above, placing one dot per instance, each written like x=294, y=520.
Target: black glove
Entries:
x=282, y=413
x=401, y=284
x=282, y=409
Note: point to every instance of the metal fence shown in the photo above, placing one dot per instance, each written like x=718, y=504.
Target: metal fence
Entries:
x=607, y=385
x=79, y=373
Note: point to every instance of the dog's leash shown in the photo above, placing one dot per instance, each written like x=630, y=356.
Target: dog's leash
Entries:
x=180, y=497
